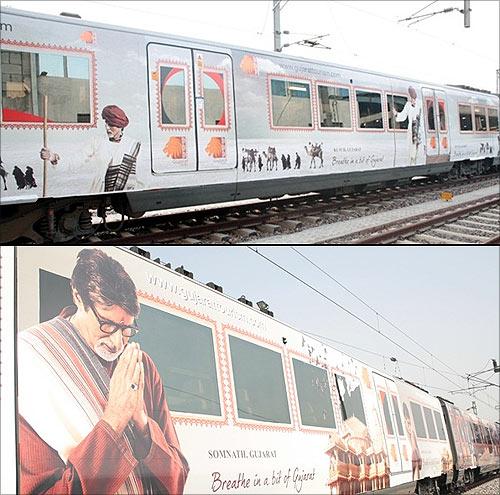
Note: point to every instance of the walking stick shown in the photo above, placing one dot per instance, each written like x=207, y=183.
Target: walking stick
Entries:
x=45, y=162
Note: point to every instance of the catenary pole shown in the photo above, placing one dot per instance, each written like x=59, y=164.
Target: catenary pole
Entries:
x=277, y=26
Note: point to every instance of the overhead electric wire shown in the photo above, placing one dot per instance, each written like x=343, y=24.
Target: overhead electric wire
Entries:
x=356, y=317
x=426, y=7
x=374, y=310
x=454, y=372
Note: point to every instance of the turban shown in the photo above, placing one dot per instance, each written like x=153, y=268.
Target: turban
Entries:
x=115, y=116
x=412, y=92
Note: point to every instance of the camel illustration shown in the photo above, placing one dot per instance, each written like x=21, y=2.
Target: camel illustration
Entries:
x=250, y=159
x=315, y=151
x=271, y=158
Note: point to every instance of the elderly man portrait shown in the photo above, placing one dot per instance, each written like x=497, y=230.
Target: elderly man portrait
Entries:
x=93, y=417
x=110, y=161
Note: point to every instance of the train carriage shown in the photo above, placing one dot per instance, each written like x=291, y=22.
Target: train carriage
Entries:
x=475, y=443
x=203, y=122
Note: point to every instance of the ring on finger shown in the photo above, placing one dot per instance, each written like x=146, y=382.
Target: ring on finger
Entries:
x=134, y=386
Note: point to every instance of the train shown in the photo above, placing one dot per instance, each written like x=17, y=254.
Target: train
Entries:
x=261, y=407
x=198, y=122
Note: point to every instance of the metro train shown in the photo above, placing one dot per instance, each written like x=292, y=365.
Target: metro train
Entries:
x=199, y=122
x=260, y=407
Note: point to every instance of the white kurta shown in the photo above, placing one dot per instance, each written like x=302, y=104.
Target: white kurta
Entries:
x=91, y=164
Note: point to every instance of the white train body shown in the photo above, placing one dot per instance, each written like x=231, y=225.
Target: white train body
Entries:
x=258, y=406
x=214, y=122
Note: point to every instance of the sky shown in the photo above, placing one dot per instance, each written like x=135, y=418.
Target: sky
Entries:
x=444, y=298
x=364, y=34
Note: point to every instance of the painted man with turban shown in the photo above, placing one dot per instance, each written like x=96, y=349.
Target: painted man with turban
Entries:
x=412, y=112
x=105, y=164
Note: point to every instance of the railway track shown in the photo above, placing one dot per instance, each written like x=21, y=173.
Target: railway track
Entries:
x=239, y=223
x=486, y=485
x=474, y=222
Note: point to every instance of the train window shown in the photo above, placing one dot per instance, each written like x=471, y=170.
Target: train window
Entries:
x=442, y=116
x=429, y=421
x=214, y=98
x=431, y=119
x=397, y=103
x=369, y=110
x=480, y=119
x=465, y=117
x=351, y=402
x=398, y=415
x=56, y=294
x=439, y=424
x=493, y=119
x=259, y=382
x=183, y=351
x=291, y=103
x=27, y=77
x=335, y=107
x=387, y=412
x=173, y=95
x=418, y=420
x=313, y=390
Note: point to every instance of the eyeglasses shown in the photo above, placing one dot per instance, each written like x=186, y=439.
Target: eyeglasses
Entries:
x=110, y=327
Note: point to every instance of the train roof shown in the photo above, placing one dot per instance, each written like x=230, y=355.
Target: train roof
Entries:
x=69, y=19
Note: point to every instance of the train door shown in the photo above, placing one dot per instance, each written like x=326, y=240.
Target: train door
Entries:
x=436, y=126
x=397, y=444
x=191, y=108
x=214, y=110
x=171, y=96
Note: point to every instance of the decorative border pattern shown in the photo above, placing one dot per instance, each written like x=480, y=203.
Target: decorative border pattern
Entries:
x=92, y=82
x=319, y=82
x=257, y=425
x=197, y=419
x=285, y=77
x=188, y=97
x=227, y=93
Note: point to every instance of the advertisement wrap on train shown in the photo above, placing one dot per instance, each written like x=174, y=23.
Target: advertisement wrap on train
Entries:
x=80, y=133
x=236, y=401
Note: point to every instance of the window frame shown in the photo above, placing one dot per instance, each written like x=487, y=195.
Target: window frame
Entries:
x=226, y=95
x=433, y=423
x=423, y=420
x=338, y=400
x=387, y=395
x=438, y=414
x=401, y=419
x=204, y=320
x=288, y=78
x=476, y=130
x=488, y=108
x=252, y=424
x=459, y=104
x=187, y=95
x=316, y=429
x=427, y=128
x=388, y=116
x=37, y=48
x=382, y=103
x=445, y=131
x=331, y=84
